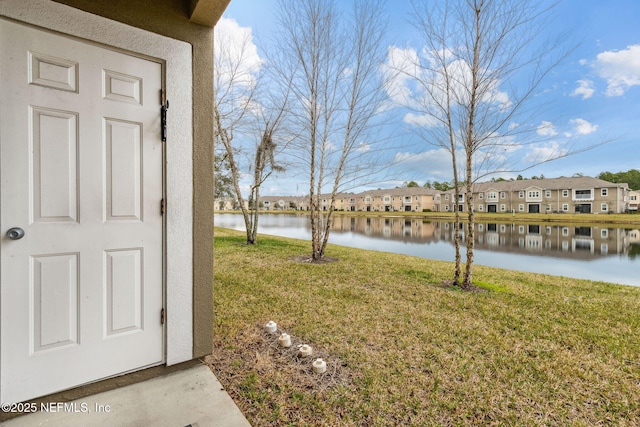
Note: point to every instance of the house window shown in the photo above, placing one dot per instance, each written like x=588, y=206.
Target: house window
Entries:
x=503, y=208
x=604, y=233
x=534, y=194
x=446, y=197
x=502, y=195
x=547, y=194
x=480, y=208
x=446, y=208
x=565, y=231
x=548, y=208
x=521, y=207
x=604, y=192
x=386, y=199
x=565, y=207
x=604, y=207
x=521, y=194
x=480, y=196
x=565, y=193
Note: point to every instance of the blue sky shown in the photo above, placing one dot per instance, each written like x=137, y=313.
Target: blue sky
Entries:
x=593, y=96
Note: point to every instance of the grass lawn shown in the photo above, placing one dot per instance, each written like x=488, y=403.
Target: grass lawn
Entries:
x=402, y=348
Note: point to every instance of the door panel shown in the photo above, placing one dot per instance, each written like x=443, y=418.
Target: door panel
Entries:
x=81, y=172
x=55, y=303
x=123, y=291
x=54, y=157
x=123, y=172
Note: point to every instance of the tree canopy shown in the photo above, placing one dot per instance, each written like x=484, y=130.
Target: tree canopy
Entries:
x=631, y=177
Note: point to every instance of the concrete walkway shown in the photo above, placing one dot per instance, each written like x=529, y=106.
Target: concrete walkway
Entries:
x=191, y=397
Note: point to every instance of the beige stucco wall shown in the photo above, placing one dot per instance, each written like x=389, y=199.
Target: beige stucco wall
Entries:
x=171, y=18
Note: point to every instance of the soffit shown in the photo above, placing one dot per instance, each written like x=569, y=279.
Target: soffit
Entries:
x=206, y=12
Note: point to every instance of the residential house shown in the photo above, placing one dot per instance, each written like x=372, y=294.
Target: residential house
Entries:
x=281, y=203
x=345, y=202
x=633, y=200
x=107, y=191
x=411, y=199
x=575, y=195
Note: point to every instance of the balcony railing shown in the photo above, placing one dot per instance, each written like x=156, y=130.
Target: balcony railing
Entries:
x=583, y=197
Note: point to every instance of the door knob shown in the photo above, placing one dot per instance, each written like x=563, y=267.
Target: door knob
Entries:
x=15, y=233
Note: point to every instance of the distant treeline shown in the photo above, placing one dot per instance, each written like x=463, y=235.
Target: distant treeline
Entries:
x=631, y=177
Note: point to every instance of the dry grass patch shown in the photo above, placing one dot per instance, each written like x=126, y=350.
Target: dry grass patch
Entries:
x=274, y=380
x=529, y=350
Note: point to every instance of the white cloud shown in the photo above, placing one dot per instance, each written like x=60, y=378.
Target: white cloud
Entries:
x=236, y=55
x=494, y=95
x=414, y=81
x=621, y=69
x=546, y=129
x=435, y=163
x=583, y=127
x=329, y=146
x=363, y=147
x=421, y=120
x=585, y=89
x=544, y=153
x=398, y=70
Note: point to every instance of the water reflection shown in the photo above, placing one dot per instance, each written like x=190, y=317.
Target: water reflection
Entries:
x=578, y=242
x=598, y=253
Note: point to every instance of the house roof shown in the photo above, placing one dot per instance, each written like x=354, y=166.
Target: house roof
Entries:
x=574, y=183
x=582, y=182
x=406, y=191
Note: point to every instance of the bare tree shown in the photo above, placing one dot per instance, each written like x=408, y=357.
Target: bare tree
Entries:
x=481, y=68
x=264, y=165
x=237, y=110
x=334, y=58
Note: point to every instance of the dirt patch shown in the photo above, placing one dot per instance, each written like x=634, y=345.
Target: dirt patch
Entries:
x=307, y=259
x=256, y=351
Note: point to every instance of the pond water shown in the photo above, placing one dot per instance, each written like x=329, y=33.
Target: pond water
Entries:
x=603, y=253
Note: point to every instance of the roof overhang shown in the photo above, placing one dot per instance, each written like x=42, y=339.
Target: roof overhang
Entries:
x=206, y=12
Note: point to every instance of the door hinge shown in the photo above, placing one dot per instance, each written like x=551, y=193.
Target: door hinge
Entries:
x=163, y=120
x=163, y=207
x=162, y=317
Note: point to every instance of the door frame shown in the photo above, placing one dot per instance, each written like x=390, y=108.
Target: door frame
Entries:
x=176, y=57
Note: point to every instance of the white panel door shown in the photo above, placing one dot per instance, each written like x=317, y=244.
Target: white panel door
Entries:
x=81, y=171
